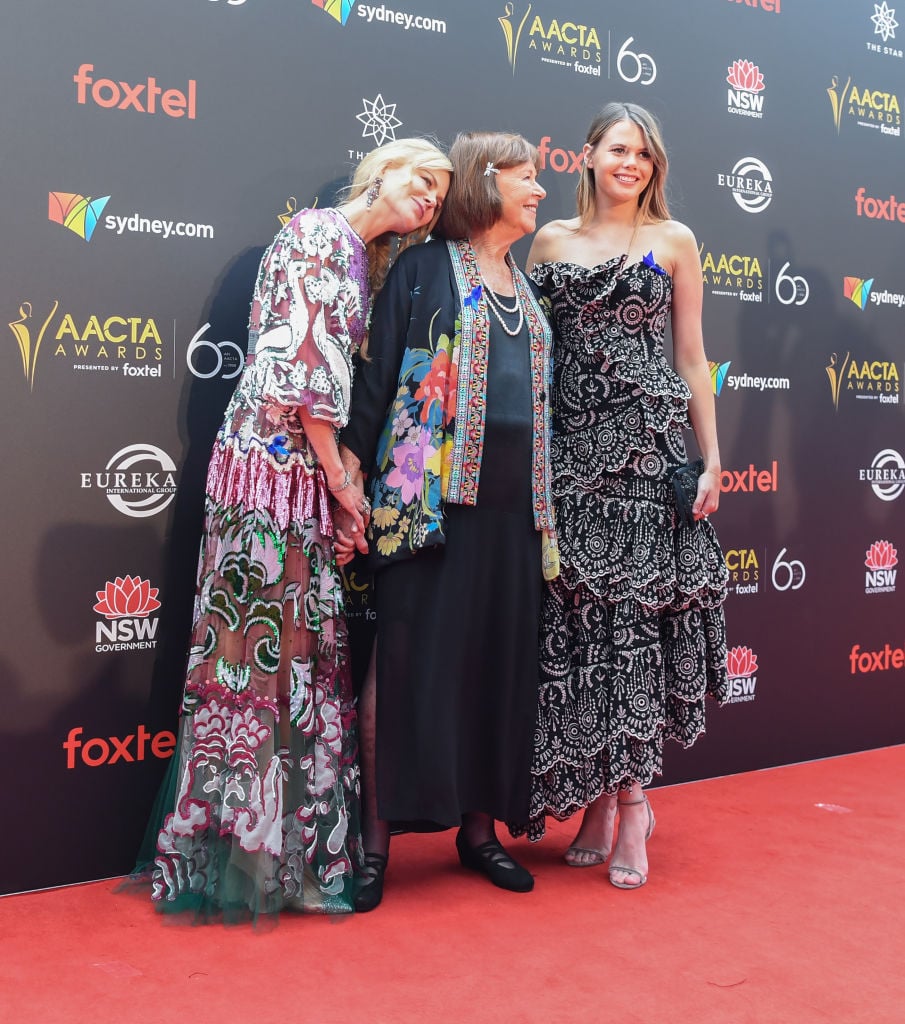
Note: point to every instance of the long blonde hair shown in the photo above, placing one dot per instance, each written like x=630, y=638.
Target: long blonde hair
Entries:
x=652, y=203
x=416, y=154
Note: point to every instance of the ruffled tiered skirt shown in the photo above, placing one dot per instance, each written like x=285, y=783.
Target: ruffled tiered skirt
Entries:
x=632, y=635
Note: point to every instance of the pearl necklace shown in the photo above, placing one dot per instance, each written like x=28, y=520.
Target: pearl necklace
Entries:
x=495, y=303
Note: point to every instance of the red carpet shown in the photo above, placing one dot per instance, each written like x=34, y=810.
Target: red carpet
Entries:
x=773, y=897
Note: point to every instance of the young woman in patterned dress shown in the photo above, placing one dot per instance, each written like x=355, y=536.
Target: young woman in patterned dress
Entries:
x=632, y=636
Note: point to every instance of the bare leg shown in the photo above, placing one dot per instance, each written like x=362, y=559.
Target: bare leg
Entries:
x=628, y=869
x=594, y=841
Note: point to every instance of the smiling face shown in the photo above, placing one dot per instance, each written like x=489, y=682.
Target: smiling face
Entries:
x=520, y=192
x=414, y=196
x=622, y=164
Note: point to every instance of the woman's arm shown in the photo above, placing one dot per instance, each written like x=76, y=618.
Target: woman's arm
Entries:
x=691, y=361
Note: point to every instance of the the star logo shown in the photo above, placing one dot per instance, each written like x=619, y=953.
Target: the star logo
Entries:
x=884, y=19
x=379, y=120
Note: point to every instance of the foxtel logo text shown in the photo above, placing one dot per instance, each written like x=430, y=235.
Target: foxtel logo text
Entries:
x=876, y=661
x=142, y=97
x=134, y=747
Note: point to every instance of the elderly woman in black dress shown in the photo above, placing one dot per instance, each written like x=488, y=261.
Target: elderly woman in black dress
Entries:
x=449, y=420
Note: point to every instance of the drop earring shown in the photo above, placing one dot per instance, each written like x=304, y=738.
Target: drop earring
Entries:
x=373, y=191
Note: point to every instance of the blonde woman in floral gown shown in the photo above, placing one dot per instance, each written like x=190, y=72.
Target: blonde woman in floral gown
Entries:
x=263, y=805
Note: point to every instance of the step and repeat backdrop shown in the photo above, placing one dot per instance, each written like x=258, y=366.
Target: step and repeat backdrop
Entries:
x=149, y=157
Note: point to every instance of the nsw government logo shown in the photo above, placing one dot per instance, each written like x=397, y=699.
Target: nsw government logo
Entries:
x=741, y=667
x=886, y=474
x=139, y=480
x=126, y=603
x=750, y=183
x=746, y=92
x=881, y=559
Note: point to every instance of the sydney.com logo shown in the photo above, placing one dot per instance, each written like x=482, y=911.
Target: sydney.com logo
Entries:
x=82, y=214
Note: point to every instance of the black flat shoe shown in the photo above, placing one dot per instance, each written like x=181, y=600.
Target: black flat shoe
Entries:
x=492, y=860
x=370, y=883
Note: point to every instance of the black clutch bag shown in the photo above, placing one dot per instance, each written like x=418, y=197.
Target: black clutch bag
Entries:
x=684, y=480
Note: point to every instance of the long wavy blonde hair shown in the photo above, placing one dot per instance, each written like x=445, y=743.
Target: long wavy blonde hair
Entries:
x=415, y=154
x=652, y=203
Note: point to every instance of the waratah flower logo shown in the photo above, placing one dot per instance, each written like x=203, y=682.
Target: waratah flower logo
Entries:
x=746, y=76
x=741, y=662
x=127, y=596
x=881, y=555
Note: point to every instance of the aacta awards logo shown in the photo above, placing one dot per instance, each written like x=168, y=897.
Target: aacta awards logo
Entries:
x=741, y=666
x=886, y=474
x=126, y=604
x=564, y=43
x=143, y=97
x=750, y=183
x=97, y=343
x=874, y=380
x=131, y=487
x=744, y=570
x=881, y=559
x=745, y=97
x=733, y=275
x=30, y=344
x=869, y=108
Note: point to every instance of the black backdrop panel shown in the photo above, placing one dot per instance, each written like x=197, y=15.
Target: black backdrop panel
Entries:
x=147, y=160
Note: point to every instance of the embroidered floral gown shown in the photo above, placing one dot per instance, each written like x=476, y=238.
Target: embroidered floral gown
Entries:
x=265, y=812
x=632, y=634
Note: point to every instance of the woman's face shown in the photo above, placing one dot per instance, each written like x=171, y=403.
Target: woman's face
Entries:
x=521, y=192
x=414, y=195
x=622, y=163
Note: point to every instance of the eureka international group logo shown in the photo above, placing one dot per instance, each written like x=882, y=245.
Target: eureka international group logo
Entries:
x=750, y=183
x=139, y=480
x=886, y=474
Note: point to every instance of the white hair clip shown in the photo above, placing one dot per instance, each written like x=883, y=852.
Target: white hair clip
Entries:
x=490, y=169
